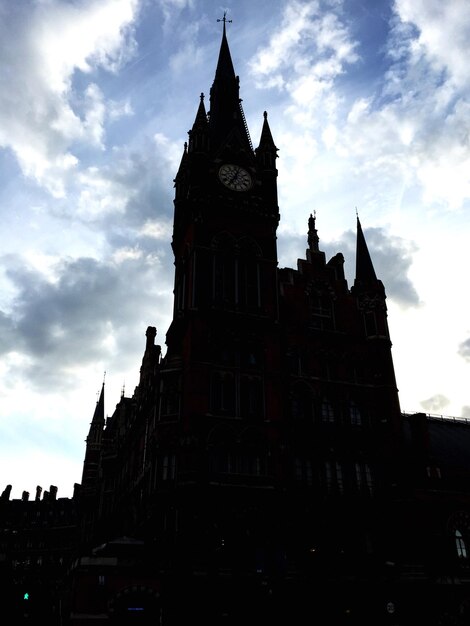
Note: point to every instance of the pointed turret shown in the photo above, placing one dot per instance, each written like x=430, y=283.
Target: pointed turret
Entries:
x=266, y=142
x=365, y=273
x=225, y=68
x=369, y=289
x=93, y=445
x=98, y=415
x=199, y=134
x=226, y=115
x=266, y=152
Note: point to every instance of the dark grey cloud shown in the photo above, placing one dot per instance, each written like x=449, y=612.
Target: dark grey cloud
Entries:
x=391, y=255
x=92, y=311
x=464, y=349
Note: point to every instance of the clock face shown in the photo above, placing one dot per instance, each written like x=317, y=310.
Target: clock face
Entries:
x=235, y=177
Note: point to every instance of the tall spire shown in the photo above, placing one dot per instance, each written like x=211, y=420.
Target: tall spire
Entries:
x=224, y=64
x=98, y=415
x=198, y=135
x=365, y=273
x=226, y=116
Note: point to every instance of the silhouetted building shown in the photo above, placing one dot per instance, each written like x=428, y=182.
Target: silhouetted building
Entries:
x=262, y=471
x=38, y=539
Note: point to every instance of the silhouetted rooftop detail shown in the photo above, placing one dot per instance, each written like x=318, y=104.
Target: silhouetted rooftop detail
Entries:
x=313, y=238
x=365, y=273
x=226, y=116
x=266, y=141
x=224, y=64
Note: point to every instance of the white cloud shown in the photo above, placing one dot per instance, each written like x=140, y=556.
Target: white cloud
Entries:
x=443, y=34
x=101, y=193
x=41, y=47
x=304, y=57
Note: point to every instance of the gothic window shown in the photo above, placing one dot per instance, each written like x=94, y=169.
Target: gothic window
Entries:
x=333, y=477
x=224, y=279
x=251, y=397
x=223, y=393
x=364, y=480
x=170, y=397
x=180, y=285
x=168, y=467
x=321, y=308
x=327, y=411
x=229, y=455
x=248, y=287
x=303, y=470
x=354, y=414
x=370, y=322
x=236, y=277
x=248, y=279
x=298, y=362
x=460, y=545
x=180, y=293
x=223, y=283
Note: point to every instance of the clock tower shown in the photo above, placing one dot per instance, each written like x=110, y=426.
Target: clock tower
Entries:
x=258, y=458
x=226, y=310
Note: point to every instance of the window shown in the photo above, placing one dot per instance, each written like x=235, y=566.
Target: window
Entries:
x=168, y=467
x=237, y=395
x=364, y=481
x=170, y=396
x=248, y=275
x=238, y=462
x=303, y=471
x=236, y=274
x=224, y=278
x=321, y=309
x=370, y=322
x=251, y=397
x=223, y=393
x=333, y=477
x=354, y=414
x=248, y=282
x=460, y=545
x=327, y=412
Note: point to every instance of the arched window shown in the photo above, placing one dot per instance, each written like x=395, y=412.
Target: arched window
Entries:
x=223, y=393
x=364, y=479
x=333, y=477
x=251, y=397
x=223, y=282
x=247, y=275
x=170, y=396
x=460, y=545
x=327, y=411
x=354, y=414
x=236, y=272
x=321, y=306
x=303, y=471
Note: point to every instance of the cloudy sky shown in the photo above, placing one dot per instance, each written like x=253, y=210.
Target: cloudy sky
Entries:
x=369, y=104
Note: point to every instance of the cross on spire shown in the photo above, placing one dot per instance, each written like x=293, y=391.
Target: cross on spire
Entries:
x=224, y=19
